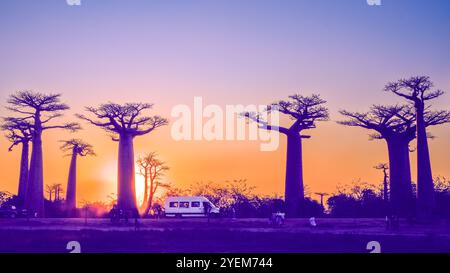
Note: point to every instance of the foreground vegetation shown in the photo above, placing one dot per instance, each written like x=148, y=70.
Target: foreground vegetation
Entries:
x=238, y=200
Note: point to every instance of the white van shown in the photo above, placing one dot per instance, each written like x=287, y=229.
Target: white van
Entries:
x=193, y=206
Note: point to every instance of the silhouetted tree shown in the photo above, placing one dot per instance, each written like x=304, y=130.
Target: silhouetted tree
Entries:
x=49, y=190
x=19, y=131
x=76, y=147
x=152, y=169
x=418, y=90
x=58, y=190
x=396, y=125
x=442, y=196
x=305, y=111
x=125, y=123
x=321, y=194
x=39, y=109
x=360, y=200
x=384, y=167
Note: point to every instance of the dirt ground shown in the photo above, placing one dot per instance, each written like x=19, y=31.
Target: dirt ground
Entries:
x=220, y=235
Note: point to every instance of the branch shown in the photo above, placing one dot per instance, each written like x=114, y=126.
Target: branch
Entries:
x=155, y=122
x=263, y=124
x=436, y=117
x=433, y=95
x=68, y=126
x=55, y=115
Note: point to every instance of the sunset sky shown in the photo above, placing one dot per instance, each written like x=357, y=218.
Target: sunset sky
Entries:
x=227, y=52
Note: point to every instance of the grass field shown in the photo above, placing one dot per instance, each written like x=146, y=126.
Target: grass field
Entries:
x=219, y=235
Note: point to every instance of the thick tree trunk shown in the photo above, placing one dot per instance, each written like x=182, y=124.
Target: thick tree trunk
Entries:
x=34, y=200
x=400, y=177
x=294, y=195
x=23, y=177
x=425, y=187
x=126, y=188
x=71, y=193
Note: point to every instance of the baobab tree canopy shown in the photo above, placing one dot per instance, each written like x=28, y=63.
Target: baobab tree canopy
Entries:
x=125, y=122
x=40, y=110
x=18, y=130
x=305, y=111
x=387, y=121
x=416, y=89
x=77, y=146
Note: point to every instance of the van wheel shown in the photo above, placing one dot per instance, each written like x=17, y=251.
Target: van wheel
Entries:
x=178, y=215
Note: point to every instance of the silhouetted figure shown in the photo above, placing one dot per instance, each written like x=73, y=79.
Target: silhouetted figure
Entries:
x=125, y=122
x=233, y=213
x=207, y=209
x=277, y=219
x=157, y=210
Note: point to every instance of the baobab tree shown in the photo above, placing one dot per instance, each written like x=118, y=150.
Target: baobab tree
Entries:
x=49, y=190
x=384, y=168
x=57, y=188
x=75, y=147
x=19, y=132
x=396, y=125
x=152, y=169
x=125, y=122
x=39, y=109
x=418, y=90
x=305, y=111
x=55, y=191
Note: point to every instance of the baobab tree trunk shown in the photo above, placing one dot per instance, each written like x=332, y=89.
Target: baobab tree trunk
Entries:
x=71, y=193
x=400, y=177
x=23, y=177
x=425, y=187
x=294, y=195
x=385, y=188
x=126, y=187
x=34, y=200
